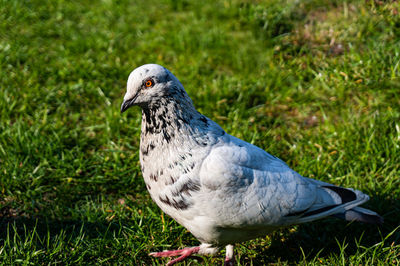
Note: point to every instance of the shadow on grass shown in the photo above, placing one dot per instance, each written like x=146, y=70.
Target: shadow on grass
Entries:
x=43, y=241
x=43, y=226
x=323, y=238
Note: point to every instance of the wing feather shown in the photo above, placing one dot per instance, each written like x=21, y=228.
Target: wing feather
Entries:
x=259, y=189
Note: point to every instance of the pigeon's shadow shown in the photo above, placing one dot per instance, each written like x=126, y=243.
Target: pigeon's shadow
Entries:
x=327, y=237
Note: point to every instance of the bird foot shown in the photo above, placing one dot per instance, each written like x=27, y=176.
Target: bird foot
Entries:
x=229, y=258
x=229, y=262
x=183, y=253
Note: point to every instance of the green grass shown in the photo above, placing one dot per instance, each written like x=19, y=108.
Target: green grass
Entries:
x=313, y=82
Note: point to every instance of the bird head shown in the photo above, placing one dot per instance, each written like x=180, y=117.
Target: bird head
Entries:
x=148, y=84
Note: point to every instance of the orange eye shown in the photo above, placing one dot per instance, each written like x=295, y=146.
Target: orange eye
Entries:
x=149, y=83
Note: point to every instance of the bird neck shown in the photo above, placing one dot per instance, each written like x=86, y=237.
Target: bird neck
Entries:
x=168, y=117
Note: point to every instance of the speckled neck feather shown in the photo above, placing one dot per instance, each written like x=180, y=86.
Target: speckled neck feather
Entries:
x=169, y=114
x=171, y=128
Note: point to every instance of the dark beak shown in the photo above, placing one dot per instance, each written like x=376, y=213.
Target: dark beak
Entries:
x=126, y=104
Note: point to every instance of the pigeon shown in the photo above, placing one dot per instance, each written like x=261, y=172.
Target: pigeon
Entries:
x=222, y=189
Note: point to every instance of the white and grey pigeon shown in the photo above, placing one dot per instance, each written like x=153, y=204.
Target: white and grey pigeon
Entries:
x=221, y=188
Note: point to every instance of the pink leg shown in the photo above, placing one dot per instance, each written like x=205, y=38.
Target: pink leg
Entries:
x=229, y=262
x=183, y=253
x=229, y=258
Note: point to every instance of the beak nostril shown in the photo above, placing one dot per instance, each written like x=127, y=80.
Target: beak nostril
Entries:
x=124, y=106
x=128, y=103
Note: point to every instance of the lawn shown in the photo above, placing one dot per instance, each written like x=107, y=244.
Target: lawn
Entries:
x=315, y=82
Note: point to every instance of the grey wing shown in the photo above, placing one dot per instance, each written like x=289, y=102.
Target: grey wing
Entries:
x=249, y=187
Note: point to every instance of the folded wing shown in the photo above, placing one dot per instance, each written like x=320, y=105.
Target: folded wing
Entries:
x=250, y=188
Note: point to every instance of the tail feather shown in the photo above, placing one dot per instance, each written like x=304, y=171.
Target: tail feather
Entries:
x=360, y=215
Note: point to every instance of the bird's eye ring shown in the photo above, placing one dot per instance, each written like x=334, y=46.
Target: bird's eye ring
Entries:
x=149, y=83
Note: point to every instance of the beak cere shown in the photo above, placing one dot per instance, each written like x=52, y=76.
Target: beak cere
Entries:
x=126, y=104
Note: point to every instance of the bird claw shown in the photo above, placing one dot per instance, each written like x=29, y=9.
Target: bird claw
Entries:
x=229, y=262
x=183, y=253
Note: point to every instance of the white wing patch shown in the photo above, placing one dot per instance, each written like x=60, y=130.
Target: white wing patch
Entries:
x=252, y=188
